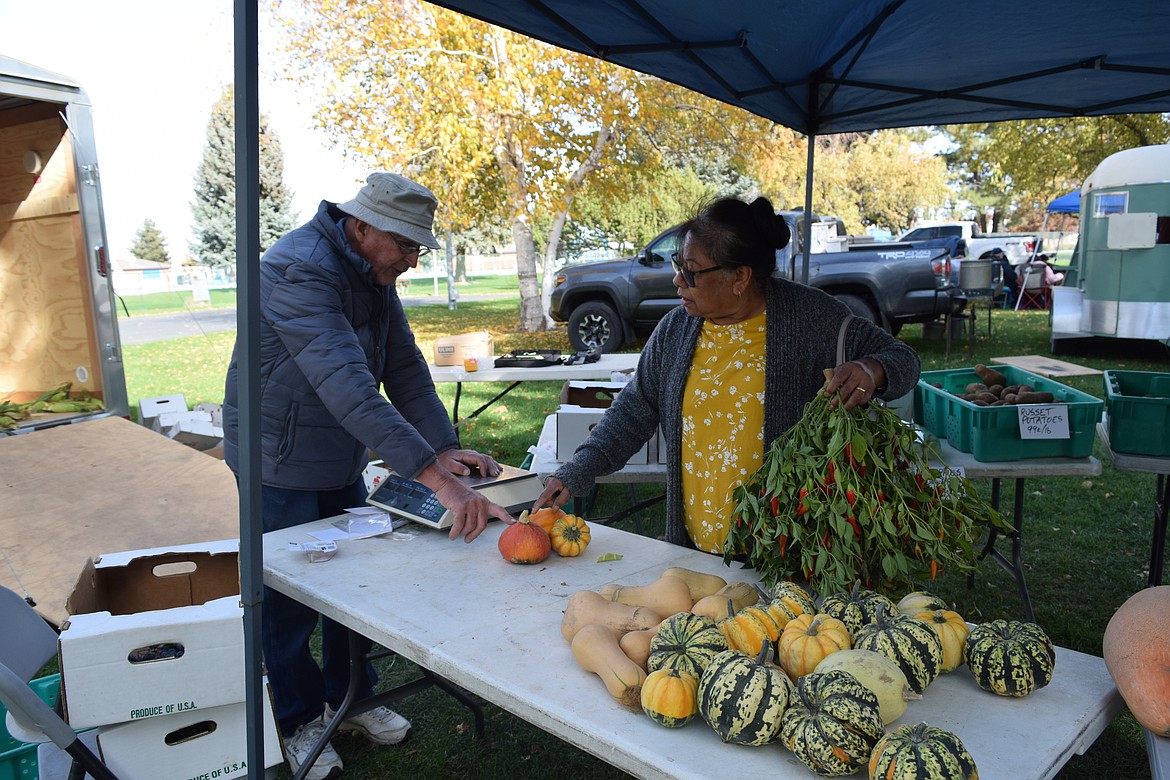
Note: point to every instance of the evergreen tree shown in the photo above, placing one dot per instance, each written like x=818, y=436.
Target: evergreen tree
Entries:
x=214, y=207
x=149, y=244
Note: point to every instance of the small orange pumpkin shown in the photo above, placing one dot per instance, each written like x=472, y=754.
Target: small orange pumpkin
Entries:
x=952, y=631
x=807, y=639
x=569, y=536
x=524, y=542
x=546, y=516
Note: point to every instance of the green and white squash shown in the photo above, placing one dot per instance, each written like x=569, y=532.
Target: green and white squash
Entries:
x=686, y=643
x=921, y=751
x=921, y=601
x=832, y=724
x=857, y=607
x=879, y=674
x=744, y=698
x=909, y=643
x=1009, y=657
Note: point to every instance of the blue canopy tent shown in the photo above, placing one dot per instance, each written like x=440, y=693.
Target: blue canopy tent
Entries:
x=825, y=67
x=1066, y=204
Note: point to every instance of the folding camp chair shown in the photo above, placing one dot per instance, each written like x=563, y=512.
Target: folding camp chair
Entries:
x=26, y=644
x=1034, y=289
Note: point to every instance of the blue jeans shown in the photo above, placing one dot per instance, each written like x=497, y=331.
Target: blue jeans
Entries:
x=300, y=688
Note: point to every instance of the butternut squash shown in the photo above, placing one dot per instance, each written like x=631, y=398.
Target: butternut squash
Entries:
x=636, y=644
x=596, y=649
x=586, y=607
x=666, y=595
x=701, y=584
x=1136, y=647
x=742, y=594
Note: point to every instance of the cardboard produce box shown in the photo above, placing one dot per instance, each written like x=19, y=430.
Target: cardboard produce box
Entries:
x=161, y=411
x=206, y=744
x=453, y=350
x=594, y=395
x=152, y=633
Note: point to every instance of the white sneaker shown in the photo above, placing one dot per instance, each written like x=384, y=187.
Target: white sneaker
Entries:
x=381, y=725
x=301, y=743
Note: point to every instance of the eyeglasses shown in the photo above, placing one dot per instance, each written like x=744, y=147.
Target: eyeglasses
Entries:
x=687, y=274
x=409, y=247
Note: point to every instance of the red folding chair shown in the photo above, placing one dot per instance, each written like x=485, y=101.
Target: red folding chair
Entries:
x=1034, y=290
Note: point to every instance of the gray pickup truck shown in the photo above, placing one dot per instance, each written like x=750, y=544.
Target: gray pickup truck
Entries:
x=609, y=303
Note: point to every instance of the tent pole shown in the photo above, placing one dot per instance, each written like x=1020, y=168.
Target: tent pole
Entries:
x=808, y=212
x=247, y=139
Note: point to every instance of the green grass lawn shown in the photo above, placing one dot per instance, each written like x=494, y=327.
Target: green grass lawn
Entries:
x=1086, y=541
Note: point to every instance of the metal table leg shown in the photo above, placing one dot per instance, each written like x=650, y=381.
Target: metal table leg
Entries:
x=1158, y=550
x=1014, y=566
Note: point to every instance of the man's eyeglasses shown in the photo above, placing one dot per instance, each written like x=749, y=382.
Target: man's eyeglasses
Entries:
x=409, y=247
x=687, y=274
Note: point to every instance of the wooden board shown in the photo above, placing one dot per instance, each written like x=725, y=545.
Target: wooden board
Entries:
x=101, y=486
x=1046, y=366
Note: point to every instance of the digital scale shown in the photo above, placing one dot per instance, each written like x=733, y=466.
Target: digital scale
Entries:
x=514, y=489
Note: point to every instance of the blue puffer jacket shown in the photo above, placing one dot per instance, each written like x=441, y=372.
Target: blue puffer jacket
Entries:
x=329, y=336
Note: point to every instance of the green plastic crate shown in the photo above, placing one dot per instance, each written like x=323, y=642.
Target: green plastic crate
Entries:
x=18, y=760
x=992, y=433
x=1138, y=406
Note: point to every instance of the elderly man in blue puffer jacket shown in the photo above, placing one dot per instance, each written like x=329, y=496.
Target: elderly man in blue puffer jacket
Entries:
x=333, y=334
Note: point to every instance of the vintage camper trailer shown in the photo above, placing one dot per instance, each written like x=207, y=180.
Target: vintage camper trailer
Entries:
x=57, y=317
x=1118, y=284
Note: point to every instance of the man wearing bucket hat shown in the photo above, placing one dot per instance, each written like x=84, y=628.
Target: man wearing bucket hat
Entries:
x=333, y=336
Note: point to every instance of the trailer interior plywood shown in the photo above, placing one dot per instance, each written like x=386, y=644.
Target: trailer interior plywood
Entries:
x=101, y=486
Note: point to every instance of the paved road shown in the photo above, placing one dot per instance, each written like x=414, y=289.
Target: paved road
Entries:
x=163, y=327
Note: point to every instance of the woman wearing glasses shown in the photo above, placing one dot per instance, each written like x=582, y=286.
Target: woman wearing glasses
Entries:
x=730, y=370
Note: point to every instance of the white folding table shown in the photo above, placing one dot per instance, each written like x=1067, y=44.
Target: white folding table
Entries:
x=464, y=613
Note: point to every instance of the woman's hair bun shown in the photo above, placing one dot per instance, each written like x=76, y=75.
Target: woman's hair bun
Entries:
x=773, y=227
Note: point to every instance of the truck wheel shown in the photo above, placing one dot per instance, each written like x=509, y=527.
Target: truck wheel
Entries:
x=860, y=308
x=595, y=325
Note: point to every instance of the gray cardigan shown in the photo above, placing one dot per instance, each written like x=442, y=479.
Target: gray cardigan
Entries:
x=801, y=332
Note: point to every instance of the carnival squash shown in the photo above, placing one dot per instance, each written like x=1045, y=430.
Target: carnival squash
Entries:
x=596, y=649
x=794, y=597
x=807, y=639
x=586, y=607
x=744, y=698
x=921, y=751
x=920, y=601
x=670, y=698
x=909, y=643
x=857, y=607
x=832, y=724
x=1137, y=653
x=686, y=642
x=1009, y=657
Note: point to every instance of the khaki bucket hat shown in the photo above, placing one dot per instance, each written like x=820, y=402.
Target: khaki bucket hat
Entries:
x=395, y=204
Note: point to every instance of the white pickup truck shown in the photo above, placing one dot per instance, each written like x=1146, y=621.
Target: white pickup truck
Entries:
x=971, y=243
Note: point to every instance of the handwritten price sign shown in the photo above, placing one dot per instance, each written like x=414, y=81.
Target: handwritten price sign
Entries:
x=1043, y=421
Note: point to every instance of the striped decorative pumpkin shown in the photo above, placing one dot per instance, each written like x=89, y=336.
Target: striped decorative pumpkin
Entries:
x=857, y=607
x=908, y=642
x=744, y=698
x=952, y=631
x=921, y=751
x=669, y=698
x=1009, y=657
x=832, y=724
x=795, y=597
x=685, y=643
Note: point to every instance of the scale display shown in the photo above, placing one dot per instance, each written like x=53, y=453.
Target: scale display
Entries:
x=514, y=489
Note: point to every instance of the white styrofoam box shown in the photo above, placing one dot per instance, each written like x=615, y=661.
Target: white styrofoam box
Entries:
x=153, y=632
x=206, y=744
x=373, y=473
x=195, y=429
x=150, y=409
x=573, y=426
x=215, y=410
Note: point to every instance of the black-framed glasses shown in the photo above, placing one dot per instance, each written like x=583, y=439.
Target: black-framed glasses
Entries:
x=409, y=247
x=687, y=274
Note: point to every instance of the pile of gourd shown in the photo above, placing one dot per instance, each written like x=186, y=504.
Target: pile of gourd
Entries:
x=760, y=667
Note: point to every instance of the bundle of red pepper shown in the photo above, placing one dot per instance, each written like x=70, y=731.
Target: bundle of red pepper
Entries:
x=850, y=495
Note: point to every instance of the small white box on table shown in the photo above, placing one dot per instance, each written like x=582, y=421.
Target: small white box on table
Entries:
x=573, y=426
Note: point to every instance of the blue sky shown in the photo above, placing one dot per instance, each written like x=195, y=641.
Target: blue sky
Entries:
x=153, y=69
